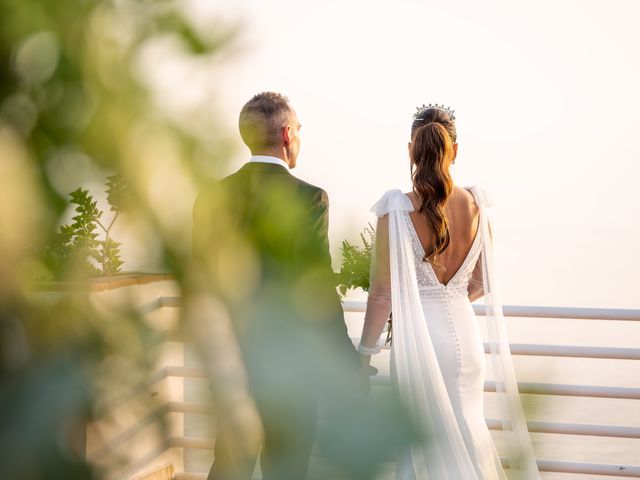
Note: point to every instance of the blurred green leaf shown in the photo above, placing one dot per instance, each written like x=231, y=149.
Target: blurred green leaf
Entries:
x=118, y=194
x=70, y=80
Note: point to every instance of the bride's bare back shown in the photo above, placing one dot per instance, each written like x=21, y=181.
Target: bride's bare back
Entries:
x=463, y=216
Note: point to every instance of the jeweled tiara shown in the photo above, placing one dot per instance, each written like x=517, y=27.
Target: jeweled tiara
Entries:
x=423, y=108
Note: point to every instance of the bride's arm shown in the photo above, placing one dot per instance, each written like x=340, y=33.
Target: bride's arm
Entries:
x=476, y=289
x=379, y=301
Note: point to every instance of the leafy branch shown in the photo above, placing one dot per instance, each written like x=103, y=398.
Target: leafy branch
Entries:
x=355, y=271
x=77, y=243
x=356, y=262
x=108, y=256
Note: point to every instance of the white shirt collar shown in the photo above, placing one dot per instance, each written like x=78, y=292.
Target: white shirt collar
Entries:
x=269, y=159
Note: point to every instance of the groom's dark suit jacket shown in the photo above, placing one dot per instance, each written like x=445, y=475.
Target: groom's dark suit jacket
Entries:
x=287, y=314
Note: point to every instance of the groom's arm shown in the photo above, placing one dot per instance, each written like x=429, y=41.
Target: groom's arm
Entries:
x=313, y=246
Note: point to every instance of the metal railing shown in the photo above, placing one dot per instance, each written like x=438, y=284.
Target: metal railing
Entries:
x=611, y=431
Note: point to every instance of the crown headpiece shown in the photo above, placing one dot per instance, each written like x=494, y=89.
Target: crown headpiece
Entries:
x=423, y=108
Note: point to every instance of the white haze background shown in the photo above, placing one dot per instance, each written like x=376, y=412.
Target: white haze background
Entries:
x=547, y=100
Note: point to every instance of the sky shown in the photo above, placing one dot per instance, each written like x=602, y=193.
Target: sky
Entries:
x=547, y=101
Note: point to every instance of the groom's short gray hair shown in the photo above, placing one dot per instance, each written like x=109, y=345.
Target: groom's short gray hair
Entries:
x=262, y=118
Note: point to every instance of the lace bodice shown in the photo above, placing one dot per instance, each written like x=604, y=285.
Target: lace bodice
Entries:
x=428, y=283
x=429, y=287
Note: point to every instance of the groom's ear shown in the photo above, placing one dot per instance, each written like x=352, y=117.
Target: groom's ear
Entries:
x=455, y=151
x=286, y=134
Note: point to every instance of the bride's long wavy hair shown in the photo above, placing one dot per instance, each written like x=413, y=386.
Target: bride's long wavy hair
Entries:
x=433, y=134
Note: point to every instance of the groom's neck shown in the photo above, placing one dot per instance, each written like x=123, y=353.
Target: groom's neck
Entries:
x=273, y=153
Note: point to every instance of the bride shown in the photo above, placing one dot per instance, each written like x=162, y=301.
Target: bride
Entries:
x=433, y=257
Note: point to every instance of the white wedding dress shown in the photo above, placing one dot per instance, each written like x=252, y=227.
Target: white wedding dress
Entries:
x=438, y=359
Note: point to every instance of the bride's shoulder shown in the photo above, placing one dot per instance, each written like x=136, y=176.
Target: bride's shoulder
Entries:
x=479, y=196
x=392, y=200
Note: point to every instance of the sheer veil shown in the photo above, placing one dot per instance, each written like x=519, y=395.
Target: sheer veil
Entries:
x=520, y=456
x=419, y=377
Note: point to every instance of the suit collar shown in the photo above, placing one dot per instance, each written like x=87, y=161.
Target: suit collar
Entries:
x=269, y=159
x=264, y=168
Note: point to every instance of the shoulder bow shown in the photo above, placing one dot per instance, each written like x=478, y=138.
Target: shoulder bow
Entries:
x=393, y=200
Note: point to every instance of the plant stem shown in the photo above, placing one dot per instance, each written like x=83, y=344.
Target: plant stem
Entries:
x=102, y=226
x=105, y=259
x=112, y=221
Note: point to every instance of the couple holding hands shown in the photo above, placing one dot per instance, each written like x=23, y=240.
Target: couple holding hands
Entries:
x=432, y=258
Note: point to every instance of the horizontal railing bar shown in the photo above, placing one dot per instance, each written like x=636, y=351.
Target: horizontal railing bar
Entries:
x=114, y=402
x=186, y=372
x=571, y=351
x=189, y=407
x=129, y=470
x=524, y=387
x=196, y=443
x=614, y=431
x=189, y=476
x=629, y=393
x=557, y=466
x=203, y=409
x=142, y=387
x=540, y=350
x=537, y=312
x=168, y=371
x=559, y=389
x=494, y=424
x=129, y=433
x=629, y=471
x=383, y=380
x=579, y=313
x=149, y=419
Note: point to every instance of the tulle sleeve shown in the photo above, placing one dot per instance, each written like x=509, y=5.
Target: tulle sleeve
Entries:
x=379, y=300
x=476, y=283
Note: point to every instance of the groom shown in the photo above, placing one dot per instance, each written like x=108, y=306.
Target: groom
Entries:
x=289, y=321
